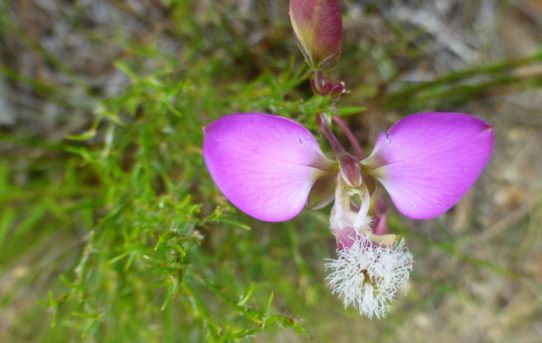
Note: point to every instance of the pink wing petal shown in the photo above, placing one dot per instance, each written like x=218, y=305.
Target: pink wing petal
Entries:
x=264, y=164
x=428, y=161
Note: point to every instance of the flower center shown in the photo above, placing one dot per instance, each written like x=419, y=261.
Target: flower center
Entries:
x=368, y=279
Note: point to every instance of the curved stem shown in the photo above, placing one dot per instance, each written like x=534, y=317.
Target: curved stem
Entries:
x=326, y=131
x=350, y=136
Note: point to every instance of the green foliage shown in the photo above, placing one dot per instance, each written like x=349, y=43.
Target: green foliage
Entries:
x=157, y=261
x=163, y=256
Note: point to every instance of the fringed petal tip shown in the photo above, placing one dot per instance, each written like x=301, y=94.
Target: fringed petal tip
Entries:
x=367, y=276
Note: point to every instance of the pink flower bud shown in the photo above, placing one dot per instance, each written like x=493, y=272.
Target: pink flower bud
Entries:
x=318, y=27
x=350, y=171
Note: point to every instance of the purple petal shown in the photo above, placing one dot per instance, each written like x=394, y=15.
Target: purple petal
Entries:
x=264, y=164
x=427, y=161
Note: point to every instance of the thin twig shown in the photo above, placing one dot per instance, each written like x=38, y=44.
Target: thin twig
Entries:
x=326, y=131
x=350, y=136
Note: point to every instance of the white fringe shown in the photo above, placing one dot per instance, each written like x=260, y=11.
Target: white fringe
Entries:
x=367, y=276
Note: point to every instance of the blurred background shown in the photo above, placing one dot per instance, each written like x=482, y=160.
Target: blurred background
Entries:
x=112, y=231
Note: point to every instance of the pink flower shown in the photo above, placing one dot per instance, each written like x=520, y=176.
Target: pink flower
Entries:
x=266, y=165
x=270, y=167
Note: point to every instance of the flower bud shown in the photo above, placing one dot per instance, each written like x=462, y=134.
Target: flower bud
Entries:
x=320, y=84
x=319, y=30
x=350, y=171
x=338, y=89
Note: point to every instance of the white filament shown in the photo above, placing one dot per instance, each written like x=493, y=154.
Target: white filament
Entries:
x=367, y=276
x=342, y=214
